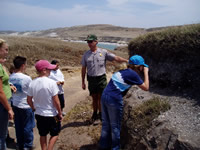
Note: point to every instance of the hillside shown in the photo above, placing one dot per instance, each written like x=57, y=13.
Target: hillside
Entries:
x=175, y=55
x=105, y=33
x=69, y=54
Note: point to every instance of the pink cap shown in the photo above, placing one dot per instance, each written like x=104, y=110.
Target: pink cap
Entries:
x=44, y=64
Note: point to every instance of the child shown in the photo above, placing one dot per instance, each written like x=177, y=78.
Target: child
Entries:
x=58, y=76
x=24, y=117
x=112, y=100
x=46, y=104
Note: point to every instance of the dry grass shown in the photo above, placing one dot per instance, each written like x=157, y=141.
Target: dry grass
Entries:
x=43, y=48
x=79, y=117
x=67, y=53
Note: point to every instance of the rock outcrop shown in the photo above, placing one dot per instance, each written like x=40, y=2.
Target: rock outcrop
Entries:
x=175, y=129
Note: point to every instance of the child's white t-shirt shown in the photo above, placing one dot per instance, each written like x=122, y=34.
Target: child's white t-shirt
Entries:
x=42, y=89
x=21, y=82
x=57, y=76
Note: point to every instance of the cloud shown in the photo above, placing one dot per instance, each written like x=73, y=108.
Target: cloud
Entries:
x=117, y=2
x=16, y=15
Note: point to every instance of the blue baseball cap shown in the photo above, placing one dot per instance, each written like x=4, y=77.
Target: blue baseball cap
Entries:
x=137, y=60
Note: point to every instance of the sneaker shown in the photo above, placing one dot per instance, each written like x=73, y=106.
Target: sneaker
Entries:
x=96, y=122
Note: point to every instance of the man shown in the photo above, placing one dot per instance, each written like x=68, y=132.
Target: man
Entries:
x=94, y=61
x=24, y=116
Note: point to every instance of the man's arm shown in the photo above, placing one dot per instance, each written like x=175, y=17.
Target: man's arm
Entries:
x=83, y=72
x=120, y=59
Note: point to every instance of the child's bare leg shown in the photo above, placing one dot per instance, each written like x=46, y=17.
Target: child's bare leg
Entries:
x=43, y=142
x=52, y=141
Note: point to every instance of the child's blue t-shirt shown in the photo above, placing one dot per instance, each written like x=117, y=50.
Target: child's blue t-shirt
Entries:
x=121, y=81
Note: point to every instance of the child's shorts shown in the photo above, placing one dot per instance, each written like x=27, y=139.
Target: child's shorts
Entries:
x=48, y=125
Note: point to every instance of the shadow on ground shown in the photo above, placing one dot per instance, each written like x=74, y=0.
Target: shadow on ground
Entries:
x=89, y=147
x=75, y=124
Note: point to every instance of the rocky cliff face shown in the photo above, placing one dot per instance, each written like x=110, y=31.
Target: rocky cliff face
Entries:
x=175, y=129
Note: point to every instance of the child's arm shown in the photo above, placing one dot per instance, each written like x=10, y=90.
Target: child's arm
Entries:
x=13, y=88
x=56, y=103
x=30, y=102
x=145, y=85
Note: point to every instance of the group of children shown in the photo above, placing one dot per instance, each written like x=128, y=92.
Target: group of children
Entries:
x=41, y=98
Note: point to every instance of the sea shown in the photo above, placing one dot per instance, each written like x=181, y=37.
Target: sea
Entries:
x=108, y=46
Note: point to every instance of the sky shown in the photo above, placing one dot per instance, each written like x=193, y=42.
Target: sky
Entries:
x=34, y=15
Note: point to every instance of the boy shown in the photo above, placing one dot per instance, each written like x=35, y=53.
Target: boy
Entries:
x=112, y=100
x=46, y=104
x=58, y=76
x=24, y=117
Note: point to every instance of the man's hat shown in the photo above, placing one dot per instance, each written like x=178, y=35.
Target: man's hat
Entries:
x=44, y=64
x=137, y=60
x=91, y=37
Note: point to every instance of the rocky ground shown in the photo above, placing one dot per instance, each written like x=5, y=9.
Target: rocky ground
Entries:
x=77, y=134
x=183, y=119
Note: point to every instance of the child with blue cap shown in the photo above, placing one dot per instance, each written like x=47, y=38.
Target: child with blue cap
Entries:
x=112, y=100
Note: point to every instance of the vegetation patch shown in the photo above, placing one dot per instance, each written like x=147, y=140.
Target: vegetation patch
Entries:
x=143, y=115
x=139, y=119
x=173, y=56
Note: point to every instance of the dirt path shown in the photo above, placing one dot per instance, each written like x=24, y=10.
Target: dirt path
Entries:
x=73, y=95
